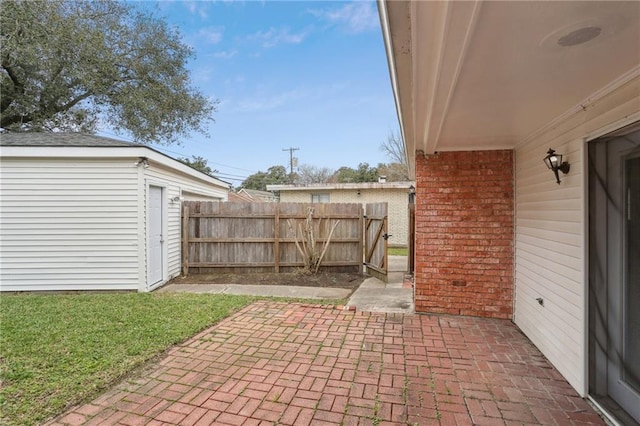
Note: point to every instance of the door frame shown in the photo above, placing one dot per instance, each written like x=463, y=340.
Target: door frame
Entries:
x=164, y=225
x=597, y=359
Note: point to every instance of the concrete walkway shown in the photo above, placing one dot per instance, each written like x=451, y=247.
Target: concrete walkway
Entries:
x=293, y=364
x=260, y=290
x=373, y=295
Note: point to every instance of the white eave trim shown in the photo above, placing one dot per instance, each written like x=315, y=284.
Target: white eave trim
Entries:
x=109, y=152
x=586, y=104
x=386, y=36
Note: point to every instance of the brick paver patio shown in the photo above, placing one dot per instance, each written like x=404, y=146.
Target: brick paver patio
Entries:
x=291, y=364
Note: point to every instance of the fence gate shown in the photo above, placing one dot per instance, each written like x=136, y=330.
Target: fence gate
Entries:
x=375, y=240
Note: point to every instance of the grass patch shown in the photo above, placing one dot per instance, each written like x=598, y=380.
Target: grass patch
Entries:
x=58, y=350
x=398, y=251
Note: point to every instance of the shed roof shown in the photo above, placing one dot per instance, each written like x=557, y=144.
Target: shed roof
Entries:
x=62, y=144
x=61, y=139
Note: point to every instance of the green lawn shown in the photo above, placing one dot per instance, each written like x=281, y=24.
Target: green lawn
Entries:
x=57, y=350
x=397, y=251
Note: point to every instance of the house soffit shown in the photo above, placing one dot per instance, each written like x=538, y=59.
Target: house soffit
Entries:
x=487, y=75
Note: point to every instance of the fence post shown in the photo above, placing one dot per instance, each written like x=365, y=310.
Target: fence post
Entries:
x=185, y=241
x=361, y=237
x=276, y=242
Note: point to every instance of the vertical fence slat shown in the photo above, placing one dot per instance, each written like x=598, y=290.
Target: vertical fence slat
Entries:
x=361, y=238
x=276, y=237
x=185, y=241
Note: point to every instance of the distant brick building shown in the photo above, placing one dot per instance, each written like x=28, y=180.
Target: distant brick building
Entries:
x=396, y=194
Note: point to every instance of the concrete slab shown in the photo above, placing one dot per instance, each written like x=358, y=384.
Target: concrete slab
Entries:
x=374, y=295
x=397, y=263
x=260, y=290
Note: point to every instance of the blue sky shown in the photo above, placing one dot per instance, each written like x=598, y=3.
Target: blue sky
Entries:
x=309, y=75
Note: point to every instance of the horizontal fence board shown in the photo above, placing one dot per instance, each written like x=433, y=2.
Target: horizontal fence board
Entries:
x=268, y=216
x=260, y=237
x=258, y=264
x=267, y=240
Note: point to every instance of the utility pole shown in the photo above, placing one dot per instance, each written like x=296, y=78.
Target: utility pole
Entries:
x=291, y=149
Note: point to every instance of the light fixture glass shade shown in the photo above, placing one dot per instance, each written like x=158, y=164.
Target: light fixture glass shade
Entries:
x=554, y=162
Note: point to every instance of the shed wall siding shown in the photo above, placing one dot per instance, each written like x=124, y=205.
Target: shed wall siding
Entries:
x=398, y=206
x=68, y=224
x=550, y=234
x=174, y=183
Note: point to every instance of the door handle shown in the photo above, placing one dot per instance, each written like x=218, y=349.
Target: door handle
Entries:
x=386, y=236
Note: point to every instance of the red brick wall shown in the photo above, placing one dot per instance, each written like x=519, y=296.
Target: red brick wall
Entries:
x=464, y=233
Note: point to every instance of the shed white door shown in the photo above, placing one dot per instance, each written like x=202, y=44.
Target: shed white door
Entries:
x=155, y=243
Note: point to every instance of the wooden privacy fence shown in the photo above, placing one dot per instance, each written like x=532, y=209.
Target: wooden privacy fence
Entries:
x=257, y=237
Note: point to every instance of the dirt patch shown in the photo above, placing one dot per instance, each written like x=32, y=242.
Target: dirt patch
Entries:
x=321, y=279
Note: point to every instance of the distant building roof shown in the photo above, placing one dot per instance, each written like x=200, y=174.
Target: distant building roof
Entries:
x=234, y=196
x=342, y=186
x=257, y=193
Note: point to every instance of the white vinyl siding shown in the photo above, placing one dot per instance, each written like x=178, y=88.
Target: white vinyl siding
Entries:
x=68, y=224
x=75, y=218
x=550, y=234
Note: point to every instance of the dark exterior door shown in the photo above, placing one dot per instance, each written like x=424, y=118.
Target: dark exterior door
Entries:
x=614, y=263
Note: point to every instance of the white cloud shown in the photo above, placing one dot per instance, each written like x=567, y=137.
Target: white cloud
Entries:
x=267, y=103
x=211, y=34
x=197, y=8
x=225, y=54
x=273, y=36
x=357, y=17
x=267, y=100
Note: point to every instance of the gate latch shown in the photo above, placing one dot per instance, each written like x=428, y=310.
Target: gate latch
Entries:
x=386, y=236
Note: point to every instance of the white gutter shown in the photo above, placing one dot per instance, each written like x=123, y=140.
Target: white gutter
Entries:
x=386, y=35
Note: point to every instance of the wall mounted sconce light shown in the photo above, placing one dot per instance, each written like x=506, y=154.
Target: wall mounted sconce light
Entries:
x=144, y=161
x=176, y=199
x=554, y=162
x=412, y=194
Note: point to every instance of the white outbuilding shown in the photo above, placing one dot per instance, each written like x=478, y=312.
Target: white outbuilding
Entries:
x=83, y=212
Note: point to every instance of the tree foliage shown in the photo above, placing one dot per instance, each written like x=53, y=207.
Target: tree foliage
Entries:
x=308, y=174
x=364, y=173
x=198, y=163
x=395, y=150
x=67, y=64
x=395, y=172
x=275, y=175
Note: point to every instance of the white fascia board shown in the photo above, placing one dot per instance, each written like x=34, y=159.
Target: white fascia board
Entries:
x=133, y=152
x=391, y=63
x=341, y=186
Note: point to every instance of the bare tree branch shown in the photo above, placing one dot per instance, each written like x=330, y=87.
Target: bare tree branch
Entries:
x=394, y=148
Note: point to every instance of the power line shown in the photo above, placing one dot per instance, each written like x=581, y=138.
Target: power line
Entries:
x=159, y=148
x=291, y=149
